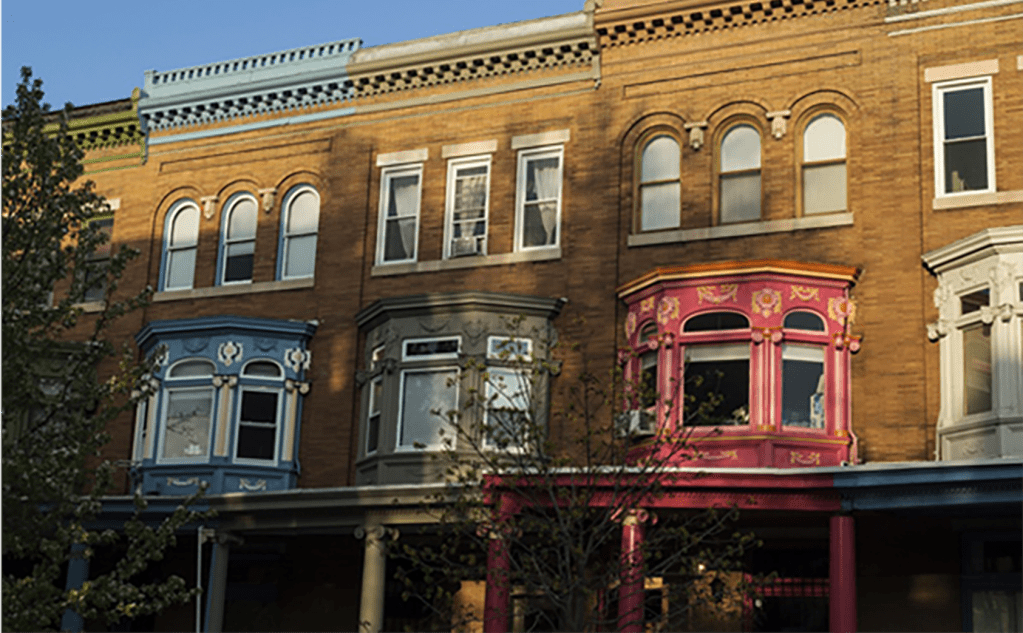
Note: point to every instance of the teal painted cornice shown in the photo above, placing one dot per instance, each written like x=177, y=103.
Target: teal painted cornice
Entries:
x=261, y=84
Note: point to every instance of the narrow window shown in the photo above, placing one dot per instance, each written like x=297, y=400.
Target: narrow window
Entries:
x=508, y=393
x=182, y=242
x=468, y=188
x=649, y=385
x=257, y=425
x=373, y=421
x=239, y=244
x=740, y=175
x=660, y=189
x=802, y=381
x=977, y=368
x=428, y=399
x=964, y=153
x=97, y=267
x=824, y=176
x=399, y=214
x=538, y=208
x=301, y=224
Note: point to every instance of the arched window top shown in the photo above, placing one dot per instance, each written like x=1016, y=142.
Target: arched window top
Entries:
x=648, y=333
x=712, y=321
x=804, y=321
x=300, y=222
x=184, y=225
x=241, y=218
x=740, y=148
x=824, y=139
x=194, y=368
x=303, y=210
x=262, y=369
x=661, y=159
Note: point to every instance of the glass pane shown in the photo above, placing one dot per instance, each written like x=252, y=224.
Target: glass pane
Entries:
x=964, y=113
x=507, y=404
x=470, y=191
x=180, y=269
x=717, y=385
x=824, y=188
x=301, y=256
x=242, y=223
x=238, y=264
x=740, y=149
x=802, y=386
x=740, y=198
x=540, y=224
x=542, y=178
x=96, y=280
x=804, y=321
x=373, y=433
x=262, y=369
x=187, y=428
x=997, y=611
x=660, y=159
x=304, y=213
x=716, y=321
x=649, y=386
x=192, y=369
x=106, y=227
x=660, y=205
x=977, y=368
x=425, y=392
x=399, y=241
x=432, y=347
x=256, y=442
x=975, y=300
x=259, y=406
x=965, y=166
x=185, y=227
x=404, y=196
x=824, y=139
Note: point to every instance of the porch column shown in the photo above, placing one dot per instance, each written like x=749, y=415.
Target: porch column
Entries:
x=843, y=575
x=497, y=603
x=216, y=585
x=631, y=591
x=374, y=570
x=77, y=574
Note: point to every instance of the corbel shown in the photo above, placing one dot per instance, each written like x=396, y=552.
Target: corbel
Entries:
x=297, y=385
x=937, y=330
x=268, y=198
x=208, y=203
x=779, y=120
x=695, y=130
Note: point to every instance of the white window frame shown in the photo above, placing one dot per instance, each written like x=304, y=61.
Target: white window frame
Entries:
x=242, y=389
x=808, y=166
x=406, y=357
x=454, y=165
x=444, y=369
x=169, y=250
x=939, y=90
x=524, y=158
x=644, y=186
x=287, y=237
x=725, y=176
x=226, y=242
x=386, y=175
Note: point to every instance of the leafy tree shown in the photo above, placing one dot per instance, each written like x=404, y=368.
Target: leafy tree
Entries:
x=55, y=404
x=556, y=509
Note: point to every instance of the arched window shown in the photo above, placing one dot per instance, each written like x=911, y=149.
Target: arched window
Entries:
x=262, y=369
x=659, y=187
x=824, y=177
x=803, y=321
x=239, y=239
x=300, y=223
x=740, y=175
x=181, y=244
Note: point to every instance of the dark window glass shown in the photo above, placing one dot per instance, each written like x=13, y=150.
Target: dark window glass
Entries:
x=804, y=321
x=975, y=300
x=257, y=430
x=964, y=113
x=429, y=348
x=648, y=383
x=716, y=321
x=719, y=392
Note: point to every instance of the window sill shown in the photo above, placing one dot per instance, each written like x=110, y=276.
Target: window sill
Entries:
x=964, y=200
x=538, y=255
x=234, y=289
x=90, y=307
x=740, y=230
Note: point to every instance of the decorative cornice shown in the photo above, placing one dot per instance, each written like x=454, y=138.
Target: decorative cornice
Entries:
x=103, y=125
x=255, y=326
x=996, y=239
x=446, y=302
x=647, y=23
x=848, y=274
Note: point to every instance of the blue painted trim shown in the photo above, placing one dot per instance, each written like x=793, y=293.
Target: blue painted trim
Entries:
x=154, y=330
x=248, y=127
x=214, y=552
x=281, y=232
x=936, y=485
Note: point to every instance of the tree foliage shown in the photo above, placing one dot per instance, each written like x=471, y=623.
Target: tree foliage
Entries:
x=56, y=405
x=557, y=507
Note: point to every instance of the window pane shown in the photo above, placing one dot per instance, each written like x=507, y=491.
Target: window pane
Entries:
x=540, y=224
x=185, y=227
x=965, y=166
x=716, y=321
x=802, y=393
x=300, y=257
x=400, y=239
x=106, y=227
x=977, y=369
x=373, y=428
x=740, y=198
x=187, y=428
x=824, y=139
x=507, y=405
x=238, y=264
x=404, y=196
x=262, y=369
x=425, y=392
x=192, y=369
x=997, y=610
x=964, y=113
x=304, y=213
x=660, y=159
x=804, y=321
x=717, y=385
x=259, y=406
x=649, y=385
x=433, y=347
x=740, y=149
x=975, y=300
x=96, y=279
x=256, y=442
x=543, y=177
x=824, y=188
x=242, y=223
x=180, y=268
x=660, y=204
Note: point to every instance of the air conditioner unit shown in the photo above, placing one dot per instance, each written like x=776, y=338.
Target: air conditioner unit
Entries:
x=462, y=246
x=636, y=422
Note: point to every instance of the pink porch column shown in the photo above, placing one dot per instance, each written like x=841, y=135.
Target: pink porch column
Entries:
x=496, y=603
x=631, y=592
x=843, y=575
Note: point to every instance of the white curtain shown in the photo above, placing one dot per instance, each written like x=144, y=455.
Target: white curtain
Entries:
x=546, y=174
x=405, y=194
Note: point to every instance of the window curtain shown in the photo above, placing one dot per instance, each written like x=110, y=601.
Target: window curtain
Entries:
x=405, y=194
x=546, y=174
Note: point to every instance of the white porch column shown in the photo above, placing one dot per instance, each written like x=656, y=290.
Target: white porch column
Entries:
x=374, y=569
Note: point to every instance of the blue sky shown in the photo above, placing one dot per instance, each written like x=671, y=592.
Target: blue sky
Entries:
x=94, y=51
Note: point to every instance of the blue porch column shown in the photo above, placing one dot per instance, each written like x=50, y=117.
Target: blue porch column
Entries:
x=77, y=574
